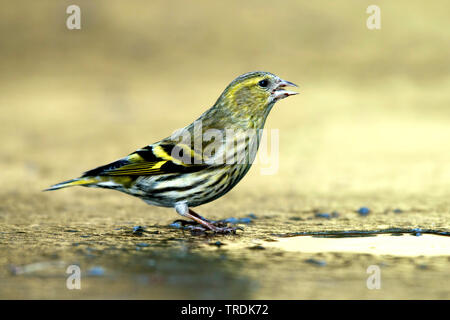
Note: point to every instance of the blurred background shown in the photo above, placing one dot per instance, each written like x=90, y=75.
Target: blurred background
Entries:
x=373, y=114
x=371, y=125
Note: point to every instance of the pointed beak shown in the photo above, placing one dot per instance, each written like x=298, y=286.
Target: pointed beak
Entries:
x=279, y=93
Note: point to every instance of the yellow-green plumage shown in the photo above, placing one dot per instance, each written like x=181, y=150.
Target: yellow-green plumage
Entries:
x=180, y=174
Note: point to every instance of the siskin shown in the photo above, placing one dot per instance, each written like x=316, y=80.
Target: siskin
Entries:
x=202, y=161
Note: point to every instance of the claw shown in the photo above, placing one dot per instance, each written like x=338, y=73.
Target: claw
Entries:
x=225, y=230
x=217, y=227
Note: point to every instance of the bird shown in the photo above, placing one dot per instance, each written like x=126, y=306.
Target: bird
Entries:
x=201, y=162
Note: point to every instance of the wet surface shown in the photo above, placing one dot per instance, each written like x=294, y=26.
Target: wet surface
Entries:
x=283, y=256
x=426, y=245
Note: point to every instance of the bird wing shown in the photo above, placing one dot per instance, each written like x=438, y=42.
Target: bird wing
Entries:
x=155, y=159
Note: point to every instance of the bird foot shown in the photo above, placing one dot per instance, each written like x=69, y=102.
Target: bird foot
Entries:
x=226, y=230
x=219, y=227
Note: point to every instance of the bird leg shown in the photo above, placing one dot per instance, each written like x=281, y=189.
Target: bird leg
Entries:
x=216, y=227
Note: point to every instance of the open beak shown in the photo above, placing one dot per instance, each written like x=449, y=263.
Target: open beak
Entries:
x=279, y=93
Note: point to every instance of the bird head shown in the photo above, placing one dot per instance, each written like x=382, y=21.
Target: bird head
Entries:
x=251, y=96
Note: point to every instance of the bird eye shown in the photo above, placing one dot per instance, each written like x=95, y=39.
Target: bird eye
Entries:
x=263, y=83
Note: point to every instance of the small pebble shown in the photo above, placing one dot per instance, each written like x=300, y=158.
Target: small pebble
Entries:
x=258, y=247
x=235, y=220
x=231, y=220
x=217, y=243
x=323, y=215
x=142, y=244
x=320, y=263
x=138, y=229
x=177, y=225
x=363, y=211
x=398, y=211
x=96, y=271
x=245, y=220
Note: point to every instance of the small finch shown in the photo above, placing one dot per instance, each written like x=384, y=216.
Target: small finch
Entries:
x=202, y=161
